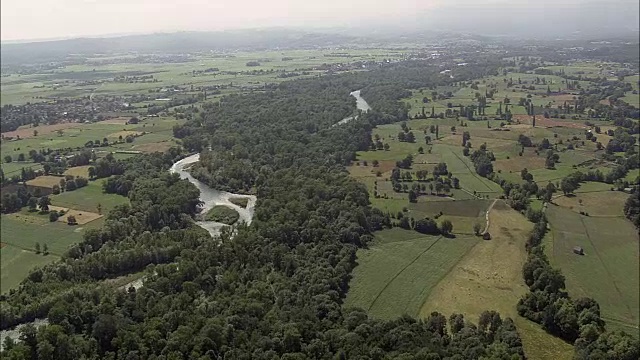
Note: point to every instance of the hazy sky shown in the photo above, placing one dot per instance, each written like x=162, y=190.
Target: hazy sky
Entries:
x=33, y=19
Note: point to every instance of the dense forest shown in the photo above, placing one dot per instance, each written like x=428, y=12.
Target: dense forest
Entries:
x=275, y=289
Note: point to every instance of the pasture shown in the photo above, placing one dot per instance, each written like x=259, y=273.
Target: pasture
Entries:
x=397, y=273
x=608, y=271
x=489, y=276
x=600, y=203
x=19, y=233
x=16, y=263
x=88, y=198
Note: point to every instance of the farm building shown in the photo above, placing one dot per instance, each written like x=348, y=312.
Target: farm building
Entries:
x=578, y=250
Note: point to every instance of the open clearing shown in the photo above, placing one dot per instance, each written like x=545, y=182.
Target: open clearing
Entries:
x=88, y=198
x=45, y=181
x=604, y=203
x=490, y=277
x=19, y=233
x=397, y=273
x=16, y=263
x=154, y=147
x=121, y=120
x=609, y=270
x=82, y=217
x=82, y=171
x=124, y=133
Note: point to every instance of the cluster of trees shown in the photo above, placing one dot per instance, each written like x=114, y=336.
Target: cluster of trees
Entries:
x=482, y=159
x=377, y=144
x=632, y=207
x=426, y=225
x=552, y=159
x=442, y=181
x=106, y=167
x=622, y=141
x=70, y=183
x=275, y=289
x=406, y=136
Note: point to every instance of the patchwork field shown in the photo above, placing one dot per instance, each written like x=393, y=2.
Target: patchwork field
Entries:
x=71, y=81
x=158, y=136
x=489, y=276
x=82, y=171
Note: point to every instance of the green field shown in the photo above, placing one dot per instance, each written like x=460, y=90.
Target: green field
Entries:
x=20, y=232
x=16, y=263
x=608, y=271
x=88, y=198
x=395, y=275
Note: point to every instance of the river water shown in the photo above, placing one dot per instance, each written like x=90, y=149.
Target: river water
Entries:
x=210, y=198
x=361, y=104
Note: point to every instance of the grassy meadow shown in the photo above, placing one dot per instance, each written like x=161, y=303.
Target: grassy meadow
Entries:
x=399, y=270
x=608, y=271
x=489, y=276
x=21, y=231
x=88, y=198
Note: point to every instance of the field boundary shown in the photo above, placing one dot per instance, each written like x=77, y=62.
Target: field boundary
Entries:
x=8, y=244
x=400, y=272
x=446, y=274
x=472, y=171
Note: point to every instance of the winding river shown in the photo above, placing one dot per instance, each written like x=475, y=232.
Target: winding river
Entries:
x=209, y=198
x=361, y=104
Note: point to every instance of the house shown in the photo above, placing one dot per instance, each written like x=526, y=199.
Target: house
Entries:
x=578, y=250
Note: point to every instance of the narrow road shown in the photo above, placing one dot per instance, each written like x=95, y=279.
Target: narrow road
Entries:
x=487, y=215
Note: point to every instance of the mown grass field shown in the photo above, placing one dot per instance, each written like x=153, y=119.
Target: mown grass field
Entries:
x=599, y=203
x=16, y=263
x=19, y=233
x=489, y=277
x=88, y=198
x=609, y=270
x=399, y=270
